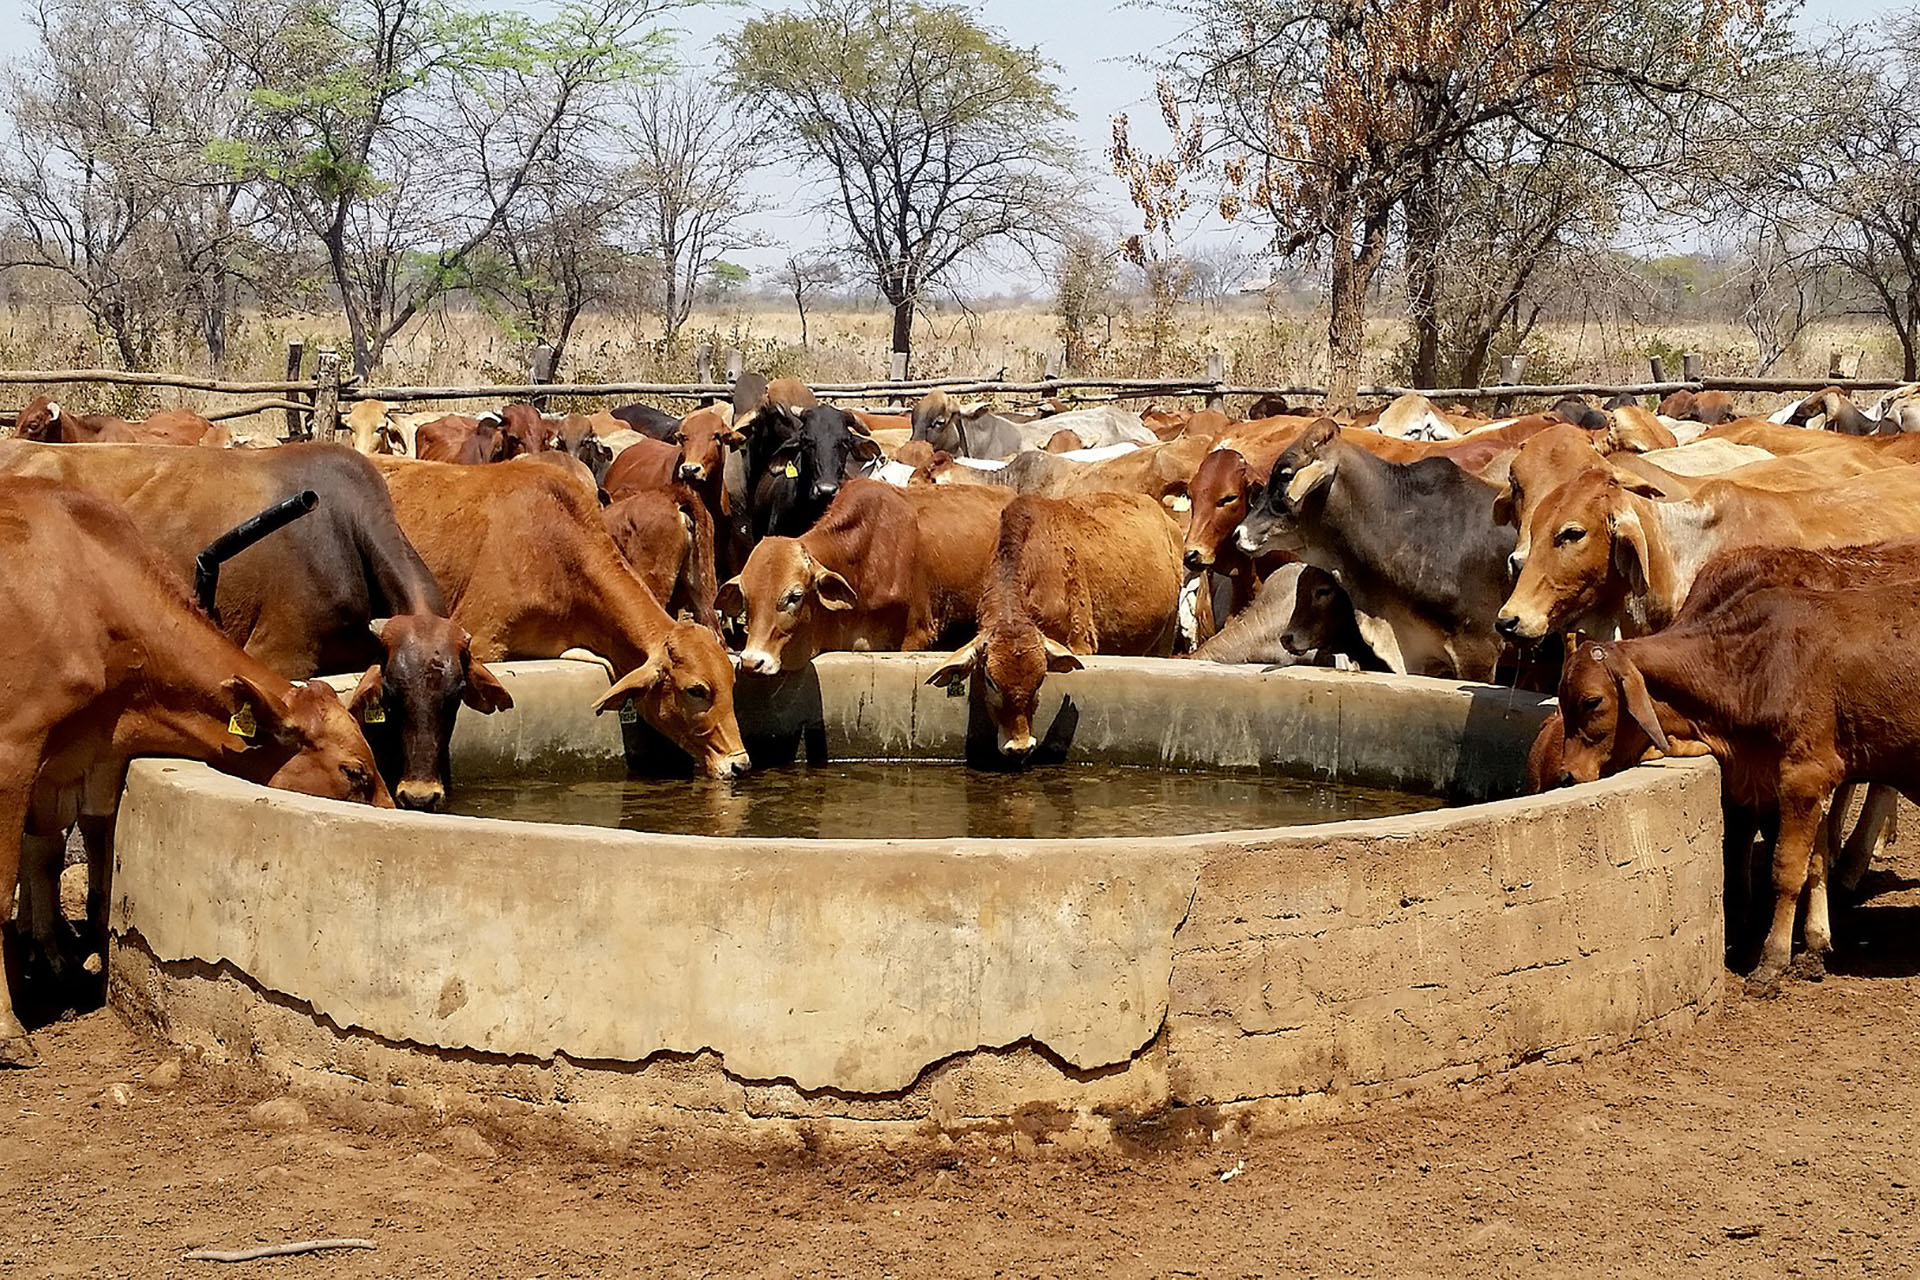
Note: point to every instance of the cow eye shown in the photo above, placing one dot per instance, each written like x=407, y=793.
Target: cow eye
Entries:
x=793, y=598
x=1589, y=705
x=1230, y=499
x=1572, y=533
x=699, y=692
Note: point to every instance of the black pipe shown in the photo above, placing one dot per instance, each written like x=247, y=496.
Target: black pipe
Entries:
x=206, y=566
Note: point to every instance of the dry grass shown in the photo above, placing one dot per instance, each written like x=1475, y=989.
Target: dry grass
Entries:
x=1263, y=346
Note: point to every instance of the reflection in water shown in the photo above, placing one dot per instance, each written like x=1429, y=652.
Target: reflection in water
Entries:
x=921, y=799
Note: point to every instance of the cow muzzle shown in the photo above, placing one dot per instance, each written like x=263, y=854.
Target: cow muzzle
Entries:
x=1195, y=558
x=1518, y=629
x=758, y=662
x=692, y=472
x=1018, y=748
x=825, y=488
x=1247, y=540
x=736, y=765
x=421, y=797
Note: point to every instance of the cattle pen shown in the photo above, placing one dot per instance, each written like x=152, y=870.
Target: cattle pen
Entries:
x=311, y=403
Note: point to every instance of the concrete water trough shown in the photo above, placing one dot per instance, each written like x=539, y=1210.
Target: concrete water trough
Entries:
x=623, y=985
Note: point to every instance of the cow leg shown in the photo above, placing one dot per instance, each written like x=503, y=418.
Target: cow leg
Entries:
x=15, y=1049
x=1818, y=929
x=99, y=804
x=1876, y=817
x=41, y=857
x=1800, y=810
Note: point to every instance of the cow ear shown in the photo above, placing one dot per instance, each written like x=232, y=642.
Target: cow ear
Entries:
x=484, y=692
x=958, y=667
x=732, y=439
x=865, y=446
x=1060, y=658
x=379, y=627
x=367, y=693
x=832, y=591
x=1633, y=689
x=638, y=680
x=1629, y=548
x=256, y=712
x=1639, y=486
x=1503, y=512
x=1315, y=475
x=732, y=600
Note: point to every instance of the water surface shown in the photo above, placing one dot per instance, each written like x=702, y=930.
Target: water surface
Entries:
x=908, y=799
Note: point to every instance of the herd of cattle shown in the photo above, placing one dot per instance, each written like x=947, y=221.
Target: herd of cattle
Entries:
x=1691, y=582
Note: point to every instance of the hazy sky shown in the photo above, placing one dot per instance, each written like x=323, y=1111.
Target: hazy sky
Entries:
x=1092, y=41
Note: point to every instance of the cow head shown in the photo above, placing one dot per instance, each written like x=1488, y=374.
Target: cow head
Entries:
x=1011, y=657
x=39, y=420
x=787, y=597
x=1574, y=410
x=369, y=426
x=1546, y=461
x=1597, y=684
x=1587, y=555
x=302, y=738
x=409, y=699
x=704, y=436
x=933, y=422
x=1299, y=481
x=1320, y=610
x=1218, y=495
x=527, y=430
x=685, y=690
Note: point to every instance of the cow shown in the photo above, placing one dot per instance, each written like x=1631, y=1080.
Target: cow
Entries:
x=577, y=436
x=1099, y=573
x=1839, y=413
x=1711, y=407
x=1268, y=406
x=469, y=441
x=129, y=666
x=373, y=427
x=531, y=430
x=1789, y=688
x=1414, y=544
x=1323, y=622
x=804, y=471
x=666, y=536
x=530, y=571
x=339, y=590
x=883, y=569
x=1606, y=556
x=1634, y=430
x=45, y=421
x=1572, y=409
x=646, y=419
x=977, y=432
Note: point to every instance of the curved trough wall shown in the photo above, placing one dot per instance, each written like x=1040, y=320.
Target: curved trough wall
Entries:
x=622, y=984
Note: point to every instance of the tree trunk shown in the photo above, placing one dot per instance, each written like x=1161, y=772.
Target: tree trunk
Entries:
x=670, y=301
x=1423, y=280
x=1352, y=275
x=902, y=323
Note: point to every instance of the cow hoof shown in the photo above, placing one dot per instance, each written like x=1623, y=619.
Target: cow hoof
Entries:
x=18, y=1051
x=1765, y=981
x=1809, y=966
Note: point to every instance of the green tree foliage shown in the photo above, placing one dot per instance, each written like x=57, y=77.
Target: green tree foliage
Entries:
x=934, y=140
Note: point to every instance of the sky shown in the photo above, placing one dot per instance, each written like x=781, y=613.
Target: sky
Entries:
x=1093, y=43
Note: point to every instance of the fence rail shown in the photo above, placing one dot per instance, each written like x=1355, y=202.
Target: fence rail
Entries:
x=314, y=401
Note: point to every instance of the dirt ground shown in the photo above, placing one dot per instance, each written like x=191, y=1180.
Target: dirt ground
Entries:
x=1778, y=1138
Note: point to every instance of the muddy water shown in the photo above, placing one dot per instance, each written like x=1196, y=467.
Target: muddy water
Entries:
x=894, y=799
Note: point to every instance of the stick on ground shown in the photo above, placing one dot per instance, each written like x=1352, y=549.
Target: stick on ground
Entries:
x=275, y=1250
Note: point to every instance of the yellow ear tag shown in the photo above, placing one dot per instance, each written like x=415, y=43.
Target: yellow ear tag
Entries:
x=791, y=471
x=628, y=715
x=243, y=725
x=373, y=713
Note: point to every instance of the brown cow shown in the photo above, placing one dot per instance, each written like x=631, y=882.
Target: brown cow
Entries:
x=1605, y=557
x=667, y=538
x=1790, y=689
x=884, y=569
x=1710, y=407
x=129, y=667
x=44, y=420
x=1099, y=573
x=468, y=441
x=530, y=571
x=531, y=430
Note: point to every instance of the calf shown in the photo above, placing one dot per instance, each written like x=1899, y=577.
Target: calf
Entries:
x=45, y=421
x=468, y=441
x=132, y=667
x=531, y=572
x=1414, y=544
x=1098, y=573
x=1323, y=623
x=1789, y=689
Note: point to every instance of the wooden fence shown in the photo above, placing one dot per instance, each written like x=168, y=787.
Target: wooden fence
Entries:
x=312, y=404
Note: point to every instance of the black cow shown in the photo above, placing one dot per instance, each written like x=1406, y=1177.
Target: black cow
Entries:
x=1580, y=414
x=794, y=471
x=647, y=420
x=1414, y=544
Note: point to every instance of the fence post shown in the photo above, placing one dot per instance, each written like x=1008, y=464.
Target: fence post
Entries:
x=1512, y=369
x=897, y=367
x=326, y=395
x=1691, y=366
x=735, y=364
x=1658, y=368
x=1217, y=375
x=544, y=358
x=296, y=351
x=703, y=363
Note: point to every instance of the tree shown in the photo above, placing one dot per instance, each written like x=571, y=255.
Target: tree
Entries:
x=690, y=164
x=400, y=133
x=105, y=176
x=1083, y=274
x=1337, y=122
x=1844, y=153
x=803, y=276
x=935, y=140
